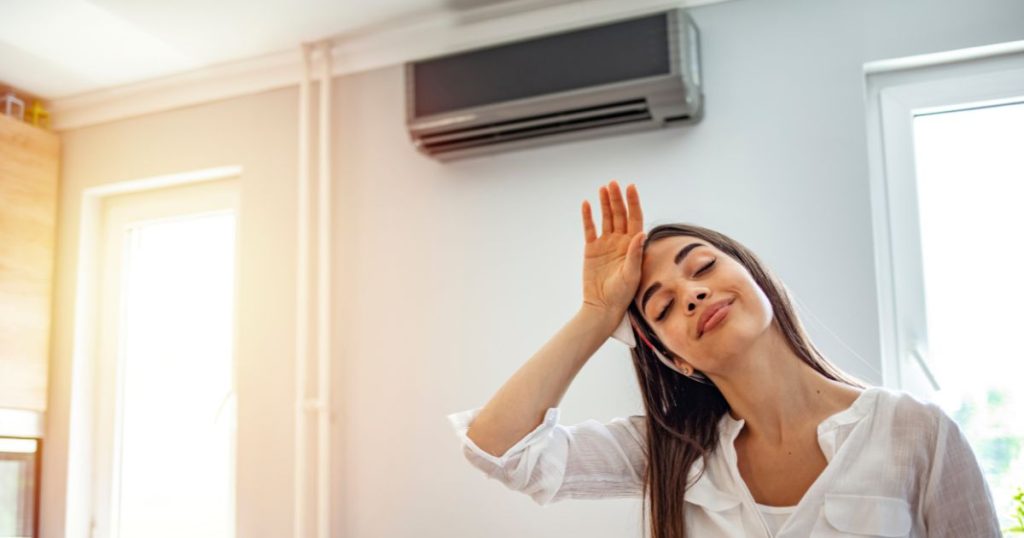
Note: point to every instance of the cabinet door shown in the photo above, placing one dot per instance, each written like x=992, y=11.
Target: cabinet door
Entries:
x=28, y=205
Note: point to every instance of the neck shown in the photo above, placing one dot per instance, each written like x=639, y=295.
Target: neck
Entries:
x=776, y=393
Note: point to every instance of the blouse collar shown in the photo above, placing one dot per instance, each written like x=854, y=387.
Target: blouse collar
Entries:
x=729, y=428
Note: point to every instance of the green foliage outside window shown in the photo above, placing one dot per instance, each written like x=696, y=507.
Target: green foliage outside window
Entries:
x=1018, y=512
x=989, y=421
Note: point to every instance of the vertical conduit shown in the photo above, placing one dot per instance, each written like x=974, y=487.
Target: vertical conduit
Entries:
x=302, y=306
x=324, y=299
x=303, y=402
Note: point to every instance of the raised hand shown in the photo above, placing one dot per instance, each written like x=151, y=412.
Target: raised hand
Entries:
x=611, y=262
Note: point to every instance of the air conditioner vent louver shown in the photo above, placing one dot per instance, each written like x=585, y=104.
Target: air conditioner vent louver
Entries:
x=535, y=126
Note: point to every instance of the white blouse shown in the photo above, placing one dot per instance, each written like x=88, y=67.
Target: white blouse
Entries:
x=897, y=466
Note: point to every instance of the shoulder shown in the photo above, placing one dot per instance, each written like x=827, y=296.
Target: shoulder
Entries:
x=635, y=426
x=911, y=417
x=910, y=406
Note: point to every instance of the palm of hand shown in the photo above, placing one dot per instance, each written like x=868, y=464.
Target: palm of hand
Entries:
x=611, y=262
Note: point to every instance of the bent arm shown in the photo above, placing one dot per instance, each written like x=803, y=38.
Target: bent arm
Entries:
x=521, y=403
x=589, y=460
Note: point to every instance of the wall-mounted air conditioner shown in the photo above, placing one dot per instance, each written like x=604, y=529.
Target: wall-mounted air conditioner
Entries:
x=629, y=75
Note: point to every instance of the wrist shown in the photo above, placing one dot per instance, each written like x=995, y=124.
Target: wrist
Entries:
x=600, y=316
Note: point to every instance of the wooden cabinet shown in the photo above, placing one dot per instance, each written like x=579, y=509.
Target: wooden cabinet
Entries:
x=29, y=159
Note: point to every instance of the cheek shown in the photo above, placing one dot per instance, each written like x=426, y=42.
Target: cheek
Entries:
x=750, y=316
x=758, y=309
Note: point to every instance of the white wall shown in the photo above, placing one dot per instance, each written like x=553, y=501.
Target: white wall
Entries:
x=449, y=276
x=464, y=270
x=259, y=133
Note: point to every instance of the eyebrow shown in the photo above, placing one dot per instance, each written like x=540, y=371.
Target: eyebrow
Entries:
x=657, y=285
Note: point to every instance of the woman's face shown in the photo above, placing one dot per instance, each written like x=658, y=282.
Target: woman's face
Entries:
x=703, y=277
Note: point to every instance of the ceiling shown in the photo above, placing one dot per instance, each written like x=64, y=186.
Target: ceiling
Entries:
x=61, y=48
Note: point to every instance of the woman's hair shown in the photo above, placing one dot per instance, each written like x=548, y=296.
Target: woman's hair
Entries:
x=683, y=414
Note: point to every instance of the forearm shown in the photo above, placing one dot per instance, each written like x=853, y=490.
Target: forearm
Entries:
x=519, y=405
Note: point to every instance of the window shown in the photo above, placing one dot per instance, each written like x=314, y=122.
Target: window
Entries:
x=175, y=421
x=947, y=196
x=165, y=397
x=19, y=489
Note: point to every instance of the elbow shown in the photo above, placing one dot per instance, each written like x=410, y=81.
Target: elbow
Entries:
x=486, y=443
x=544, y=497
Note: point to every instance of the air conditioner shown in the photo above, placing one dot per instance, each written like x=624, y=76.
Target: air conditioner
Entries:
x=630, y=75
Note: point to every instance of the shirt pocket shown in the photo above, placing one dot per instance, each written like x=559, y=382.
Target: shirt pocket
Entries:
x=708, y=497
x=863, y=515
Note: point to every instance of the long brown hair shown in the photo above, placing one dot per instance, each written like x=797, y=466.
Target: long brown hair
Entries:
x=683, y=414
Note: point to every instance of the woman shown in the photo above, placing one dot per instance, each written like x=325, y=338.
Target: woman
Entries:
x=748, y=431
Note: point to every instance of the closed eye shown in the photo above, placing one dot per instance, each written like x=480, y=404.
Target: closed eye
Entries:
x=699, y=271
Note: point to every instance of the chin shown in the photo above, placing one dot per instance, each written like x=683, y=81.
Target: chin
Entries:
x=727, y=341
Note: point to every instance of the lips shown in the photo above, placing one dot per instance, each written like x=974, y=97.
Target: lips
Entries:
x=710, y=311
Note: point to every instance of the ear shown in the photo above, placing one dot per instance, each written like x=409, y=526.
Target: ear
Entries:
x=680, y=363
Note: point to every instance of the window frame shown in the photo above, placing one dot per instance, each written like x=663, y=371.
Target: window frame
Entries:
x=85, y=512
x=121, y=215
x=895, y=92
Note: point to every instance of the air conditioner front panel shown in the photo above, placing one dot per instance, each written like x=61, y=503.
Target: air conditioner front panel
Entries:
x=594, y=56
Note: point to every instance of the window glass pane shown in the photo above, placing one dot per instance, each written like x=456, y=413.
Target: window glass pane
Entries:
x=175, y=453
x=18, y=488
x=970, y=184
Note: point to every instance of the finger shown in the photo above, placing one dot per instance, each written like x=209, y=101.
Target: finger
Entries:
x=588, y=223
x=640, y=237
x=618, y=208
x=636, y=215
x=636, y=254
x=607, y=221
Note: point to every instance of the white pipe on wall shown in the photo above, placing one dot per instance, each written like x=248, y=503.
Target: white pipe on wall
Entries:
x=324, y=298
x=302, y=306
x=304, y=403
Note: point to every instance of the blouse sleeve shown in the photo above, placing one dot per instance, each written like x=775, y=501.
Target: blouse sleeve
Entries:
x=957, y=499
x=589, y=460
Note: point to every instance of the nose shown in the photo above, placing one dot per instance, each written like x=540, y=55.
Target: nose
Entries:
x=691, y=305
